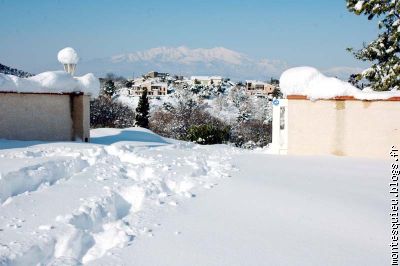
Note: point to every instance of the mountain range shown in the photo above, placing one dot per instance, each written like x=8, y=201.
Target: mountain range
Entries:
x=186, y=61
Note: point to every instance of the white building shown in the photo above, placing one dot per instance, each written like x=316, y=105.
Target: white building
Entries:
x=255, y=87
x=154, y=87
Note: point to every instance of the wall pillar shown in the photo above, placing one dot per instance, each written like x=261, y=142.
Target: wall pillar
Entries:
x=80, y=114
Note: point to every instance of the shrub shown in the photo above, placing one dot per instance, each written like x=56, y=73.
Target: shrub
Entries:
x=208, y=134
x=251, y=133
x=104, y=112
x=186, y=123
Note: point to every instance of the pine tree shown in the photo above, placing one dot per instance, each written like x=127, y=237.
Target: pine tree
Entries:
x=383, y=52
x=142, y=111
x=109, y=88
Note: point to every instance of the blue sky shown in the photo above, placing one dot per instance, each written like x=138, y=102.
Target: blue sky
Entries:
x=299, y=32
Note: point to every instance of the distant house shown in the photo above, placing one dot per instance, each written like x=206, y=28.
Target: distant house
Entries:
x=155, y=74
x=154, y=88
x=254, y=87
x=206, y=80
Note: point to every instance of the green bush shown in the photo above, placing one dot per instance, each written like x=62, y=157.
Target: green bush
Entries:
x=208, y=134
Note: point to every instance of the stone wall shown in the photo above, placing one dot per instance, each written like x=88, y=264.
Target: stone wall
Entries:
x=48, y=117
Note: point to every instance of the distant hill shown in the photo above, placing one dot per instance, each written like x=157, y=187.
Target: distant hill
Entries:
x=186, y=61
x=12, y=71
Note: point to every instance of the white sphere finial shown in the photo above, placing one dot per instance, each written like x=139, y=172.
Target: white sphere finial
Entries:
x=69, y=58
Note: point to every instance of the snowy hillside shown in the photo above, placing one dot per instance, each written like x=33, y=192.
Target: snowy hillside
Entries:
x=132, y=197
x=226, y=102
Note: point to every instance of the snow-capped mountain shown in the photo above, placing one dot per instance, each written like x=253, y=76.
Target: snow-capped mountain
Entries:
x=186, y=61
x=183, y=55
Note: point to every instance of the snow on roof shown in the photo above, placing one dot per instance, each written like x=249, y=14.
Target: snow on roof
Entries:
x=68, y=56
x=160, y=84
x=51, y=82
x=199, y=77
x=308, y=81
x=256, y=82
x=205, y=77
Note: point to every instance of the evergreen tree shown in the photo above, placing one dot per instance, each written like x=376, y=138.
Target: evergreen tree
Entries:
x=383, y=52
x=277, y=93
x=109, y=88
x=353, y=80
x=142, y=111
x=274, y=81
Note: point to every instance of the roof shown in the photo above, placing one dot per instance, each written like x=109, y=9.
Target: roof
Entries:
x=205, y=77
x=257, y=82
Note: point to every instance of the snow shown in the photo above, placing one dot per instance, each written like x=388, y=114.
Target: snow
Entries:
x=132, y=101
x=205, y=78
x=272, y=214
x=132, y=196
x=68, y=56
x=51, y=82
x=310, y=82
x=359, y=5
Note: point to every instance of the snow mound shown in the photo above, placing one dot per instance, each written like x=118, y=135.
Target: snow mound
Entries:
x=310, y=82
x=68, y=56
x=51, y=82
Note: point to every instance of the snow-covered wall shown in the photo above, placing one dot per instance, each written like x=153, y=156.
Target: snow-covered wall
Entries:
x=51, y=82
x=343, y=127
x=310, y=82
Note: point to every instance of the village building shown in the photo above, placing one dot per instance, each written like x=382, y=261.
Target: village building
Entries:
x=254, y=87
x=153, y=87
x=155, y=74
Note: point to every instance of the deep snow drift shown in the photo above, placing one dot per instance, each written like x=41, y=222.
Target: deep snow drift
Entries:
x=134, y=198
x=310, y=82
x=67, y=203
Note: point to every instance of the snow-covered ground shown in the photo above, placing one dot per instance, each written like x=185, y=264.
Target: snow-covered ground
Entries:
x=134, y=198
